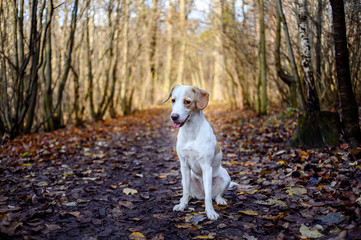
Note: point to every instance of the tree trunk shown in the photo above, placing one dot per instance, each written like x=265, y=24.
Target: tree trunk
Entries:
x=312, y=103
x=127, y=89
x=153, y=49
x=300, y=94
x=218, y=56
x=262, y=100
x=90, y=67
x=318, y=41
x=183, y=34
x=168, y=81
x=47, y=74
x=288, y=79
x=59, y=117
x=346, y=95
x=314, y=128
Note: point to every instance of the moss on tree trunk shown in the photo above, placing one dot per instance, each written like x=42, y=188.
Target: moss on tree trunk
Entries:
x=317, y=129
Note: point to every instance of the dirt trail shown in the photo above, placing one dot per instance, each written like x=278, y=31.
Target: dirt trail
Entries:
x=119, y=179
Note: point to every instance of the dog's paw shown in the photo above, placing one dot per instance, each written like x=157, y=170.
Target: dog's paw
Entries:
x=212, y=215
x=179, y=207
x=221, y=201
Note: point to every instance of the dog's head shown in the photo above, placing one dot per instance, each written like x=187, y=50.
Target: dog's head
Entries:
x=185, y=100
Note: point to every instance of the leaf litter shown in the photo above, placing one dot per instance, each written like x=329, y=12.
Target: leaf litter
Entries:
x=119, y=179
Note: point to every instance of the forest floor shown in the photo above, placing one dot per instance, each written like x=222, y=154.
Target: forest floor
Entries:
x=120, y=178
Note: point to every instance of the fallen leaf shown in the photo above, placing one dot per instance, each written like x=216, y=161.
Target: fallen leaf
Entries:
x=249, y=213
x=183, y=225
x=137, y=236
x=278, y=202
x=197, y=218
x=127, y=204
x=312, y=232
x=221, y=225
x=130, y=191
x=249, y=237
x=116, y=212
x=296, y=191
x=332, y=218
x=136, y=229
x=53, y=227
x=210, y=236
x=83, y=219
x=70, y=204
x=75, y=214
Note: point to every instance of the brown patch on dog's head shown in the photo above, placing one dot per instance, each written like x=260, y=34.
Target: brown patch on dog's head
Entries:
x=170, y=93
x=202, y=97
x=190, y=99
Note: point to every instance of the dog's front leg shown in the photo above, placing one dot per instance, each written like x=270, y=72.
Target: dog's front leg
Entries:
x=207, y=183
x=186, y=177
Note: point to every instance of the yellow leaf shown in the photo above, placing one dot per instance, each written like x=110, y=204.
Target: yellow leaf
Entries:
x=184, y=225
x=281, y=162
x=249, y=213
x=205, y=237
x=27, y=164
x=296, y=191
x=236, y=163
x=25, y=154
x=67, y=174
x=137, y=236
x=130, y=191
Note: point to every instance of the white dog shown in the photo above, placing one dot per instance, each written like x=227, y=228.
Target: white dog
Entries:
x=200, y=156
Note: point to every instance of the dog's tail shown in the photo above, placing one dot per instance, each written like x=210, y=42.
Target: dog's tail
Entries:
x=233, y=184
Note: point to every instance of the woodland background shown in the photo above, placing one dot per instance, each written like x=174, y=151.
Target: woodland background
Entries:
x=70, y=72
x=66, y=61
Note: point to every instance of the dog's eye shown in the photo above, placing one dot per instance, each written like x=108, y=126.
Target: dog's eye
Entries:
x=173, y=100
x=187, y=102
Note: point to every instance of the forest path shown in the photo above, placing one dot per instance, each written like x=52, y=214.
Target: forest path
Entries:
x=119, y=179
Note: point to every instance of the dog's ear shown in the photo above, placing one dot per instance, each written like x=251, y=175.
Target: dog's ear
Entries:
x=202, y=97
x=170, y=93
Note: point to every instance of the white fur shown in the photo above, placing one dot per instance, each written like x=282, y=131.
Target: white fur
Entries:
x=203, y=177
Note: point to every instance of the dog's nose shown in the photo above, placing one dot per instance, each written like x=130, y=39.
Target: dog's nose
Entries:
x=174, y=116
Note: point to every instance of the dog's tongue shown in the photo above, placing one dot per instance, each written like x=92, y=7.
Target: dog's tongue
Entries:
x=176, y=125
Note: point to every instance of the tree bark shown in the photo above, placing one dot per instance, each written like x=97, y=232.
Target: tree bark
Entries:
x=218, y=57
x=288, y=79
x=183, y=34
x=90, y=67
x=169, y=55
x=153, y=49
x=314, y=128
x=312, y=103
x=59, y=116
x=127, y=89
x=47, y=73
x=318, y=41
x=300, y=94
x=346, y=95
x=262, y=100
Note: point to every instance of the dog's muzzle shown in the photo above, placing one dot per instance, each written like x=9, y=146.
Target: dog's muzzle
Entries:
x=180, y=124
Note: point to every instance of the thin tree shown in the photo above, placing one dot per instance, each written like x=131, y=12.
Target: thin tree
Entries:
x=183, y=34
x=262, y=101
x=293, y=81
x=169, y=55
x=346, y=95
x=218, y=53
x=315, y=128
